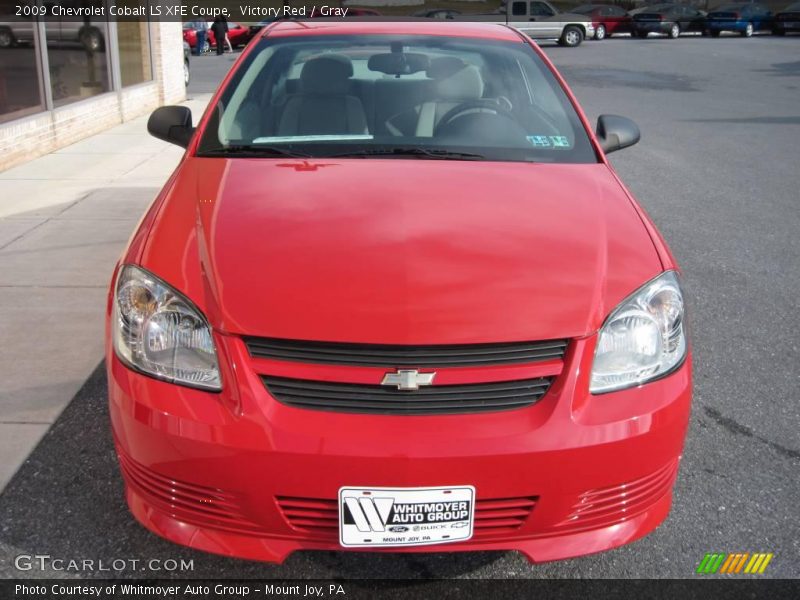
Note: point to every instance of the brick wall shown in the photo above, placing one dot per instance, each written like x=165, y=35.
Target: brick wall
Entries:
x=39, y=134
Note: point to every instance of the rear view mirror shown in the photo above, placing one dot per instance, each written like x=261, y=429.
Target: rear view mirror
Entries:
x=172, y=124
x=398, y=63
x=615, y=133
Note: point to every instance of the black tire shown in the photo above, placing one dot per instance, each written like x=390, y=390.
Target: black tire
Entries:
x=571, y=37
x=749, y=30
x=600, y=32
x=6, y=38
x=186, y=73
x=715, y=32
x=778, y=32
x=674, y=31
x=642, y=34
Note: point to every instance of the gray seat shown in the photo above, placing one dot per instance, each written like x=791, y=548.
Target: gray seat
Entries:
x=323, y=105
x=455, y=83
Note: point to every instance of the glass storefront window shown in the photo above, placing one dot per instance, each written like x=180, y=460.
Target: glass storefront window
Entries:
x=20, y=76
x=76, y=51
x=134, y=52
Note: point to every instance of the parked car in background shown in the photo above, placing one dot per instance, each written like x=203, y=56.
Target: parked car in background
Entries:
x=238, y=34
x=606, y=18
x=787, y=20
x=745, y=18
x=19, y=30
x=438, y=13
x=187, y=50
x=669, y=19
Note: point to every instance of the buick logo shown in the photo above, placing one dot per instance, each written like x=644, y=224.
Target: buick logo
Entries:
x=408, y=379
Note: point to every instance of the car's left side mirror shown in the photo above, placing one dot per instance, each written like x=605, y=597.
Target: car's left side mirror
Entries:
x=172, y=124
x=615, y=133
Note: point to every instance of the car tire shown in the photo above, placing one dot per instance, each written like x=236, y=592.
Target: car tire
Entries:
x=6, y=38
x=641, y=34
x=778, y=32
x=714, y=32
x=206, y=47
x=674, y=31
x=748, y=30
x=186, y=73
x=600, y=32
x=571, y=37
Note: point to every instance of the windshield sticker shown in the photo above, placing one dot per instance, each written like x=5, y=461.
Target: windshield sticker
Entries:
x=539, y=141
x=310, y=138
x=549, y=141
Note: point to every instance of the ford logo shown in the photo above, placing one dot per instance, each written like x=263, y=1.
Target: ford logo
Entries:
x=398, y=529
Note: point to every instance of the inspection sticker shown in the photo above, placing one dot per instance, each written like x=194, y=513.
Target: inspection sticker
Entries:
x=405, y=516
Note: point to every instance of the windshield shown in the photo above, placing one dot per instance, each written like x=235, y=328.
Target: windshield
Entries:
x=377, y=95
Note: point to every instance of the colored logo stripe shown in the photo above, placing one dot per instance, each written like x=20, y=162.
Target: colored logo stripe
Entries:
x=734, y=563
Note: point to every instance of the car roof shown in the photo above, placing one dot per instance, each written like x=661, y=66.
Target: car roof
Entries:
x=377, y=26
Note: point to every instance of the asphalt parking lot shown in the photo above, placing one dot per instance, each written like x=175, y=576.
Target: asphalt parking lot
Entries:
x=718, y=171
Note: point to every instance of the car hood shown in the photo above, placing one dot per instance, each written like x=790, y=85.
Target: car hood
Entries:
x=400, y=251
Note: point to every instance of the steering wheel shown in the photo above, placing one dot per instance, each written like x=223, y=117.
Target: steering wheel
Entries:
x=479, y=105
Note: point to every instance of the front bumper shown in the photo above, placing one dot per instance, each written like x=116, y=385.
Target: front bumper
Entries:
x=237, y=473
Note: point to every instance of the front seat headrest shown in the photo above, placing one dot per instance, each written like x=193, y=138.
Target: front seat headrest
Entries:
x=455, y=79
x=328, y=74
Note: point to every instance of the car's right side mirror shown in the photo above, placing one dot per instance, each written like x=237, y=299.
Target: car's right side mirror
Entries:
x=172, y=124
x=615, y=132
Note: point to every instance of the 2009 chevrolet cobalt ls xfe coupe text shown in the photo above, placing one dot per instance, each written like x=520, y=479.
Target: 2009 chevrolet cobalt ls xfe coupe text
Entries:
x=394, y=297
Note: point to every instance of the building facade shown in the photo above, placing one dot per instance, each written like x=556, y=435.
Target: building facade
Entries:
x=61, y=81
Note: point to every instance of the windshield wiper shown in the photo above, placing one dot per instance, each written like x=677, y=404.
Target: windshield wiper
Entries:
x=424, y=153
x=255, y=150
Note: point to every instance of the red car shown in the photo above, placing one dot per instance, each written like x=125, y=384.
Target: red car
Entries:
x=392, y=300
x=238, y=34
x=606, y=18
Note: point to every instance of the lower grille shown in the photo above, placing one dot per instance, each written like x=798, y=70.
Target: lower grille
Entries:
x=188, y=502
x=608, y=506
x=319, y=518
x=378, y=399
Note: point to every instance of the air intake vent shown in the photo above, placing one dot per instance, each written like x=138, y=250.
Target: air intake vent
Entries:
x=319, y=518
x=434, y=400
x=379, y=355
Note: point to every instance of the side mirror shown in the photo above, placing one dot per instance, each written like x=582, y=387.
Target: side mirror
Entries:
x=172, y=124
x=615, y=133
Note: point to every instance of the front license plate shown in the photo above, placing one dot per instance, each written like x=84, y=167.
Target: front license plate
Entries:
x=405, y=516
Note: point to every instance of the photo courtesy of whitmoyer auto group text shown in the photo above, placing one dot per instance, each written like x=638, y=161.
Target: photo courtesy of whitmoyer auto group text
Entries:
x=403, y=299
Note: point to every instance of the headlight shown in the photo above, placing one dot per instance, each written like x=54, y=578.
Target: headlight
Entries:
x=643, y=339
x=160, y=332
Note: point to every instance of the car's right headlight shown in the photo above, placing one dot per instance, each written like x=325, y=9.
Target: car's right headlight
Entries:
x=643, y=339
x=158, y=331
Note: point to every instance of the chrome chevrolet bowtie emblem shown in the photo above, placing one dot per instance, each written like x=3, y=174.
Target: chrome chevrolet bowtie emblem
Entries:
x=408, y=379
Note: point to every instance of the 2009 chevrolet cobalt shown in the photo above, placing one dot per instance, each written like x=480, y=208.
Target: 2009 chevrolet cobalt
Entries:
x=394, y=297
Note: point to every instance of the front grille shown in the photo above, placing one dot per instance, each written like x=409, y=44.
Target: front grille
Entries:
x=378, y=399
x=319, y=517
x=608, y=506
x=380, y=355
x=188, y=502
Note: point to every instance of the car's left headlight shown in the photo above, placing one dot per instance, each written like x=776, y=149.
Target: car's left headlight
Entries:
x=158, y=331
x=643, y=339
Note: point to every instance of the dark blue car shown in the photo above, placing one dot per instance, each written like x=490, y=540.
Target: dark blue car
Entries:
x=746, y=18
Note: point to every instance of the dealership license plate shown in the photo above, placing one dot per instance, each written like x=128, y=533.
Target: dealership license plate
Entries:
x=405, y=516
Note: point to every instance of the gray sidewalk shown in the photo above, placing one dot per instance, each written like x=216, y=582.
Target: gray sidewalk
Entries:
x=64, y=219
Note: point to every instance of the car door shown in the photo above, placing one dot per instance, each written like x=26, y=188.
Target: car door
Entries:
x=544, y=13
x=762, y=17
x=693, y=19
